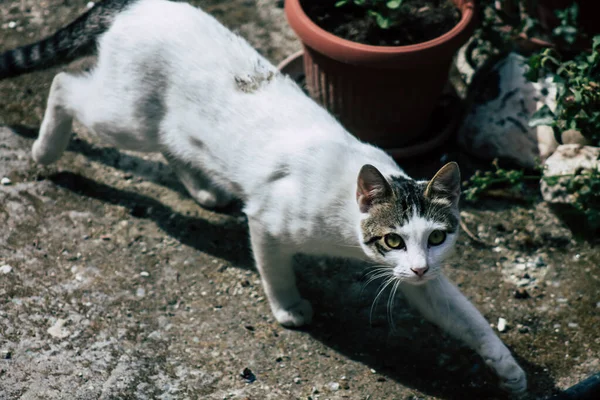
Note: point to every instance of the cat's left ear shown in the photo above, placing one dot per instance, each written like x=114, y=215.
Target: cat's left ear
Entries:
x=445, y=184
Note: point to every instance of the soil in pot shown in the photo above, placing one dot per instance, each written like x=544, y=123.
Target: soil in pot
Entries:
x=417, y=21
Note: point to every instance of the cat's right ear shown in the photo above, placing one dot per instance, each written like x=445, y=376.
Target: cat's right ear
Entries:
x=371, y=187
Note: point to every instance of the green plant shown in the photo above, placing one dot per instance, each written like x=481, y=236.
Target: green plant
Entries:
x=578, y=91
x=585, y=189
x=384, y=12
x=567, y=30
x=583, y=186
x=482, y=182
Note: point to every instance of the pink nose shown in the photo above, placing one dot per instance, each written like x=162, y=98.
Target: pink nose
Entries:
x=420, y=271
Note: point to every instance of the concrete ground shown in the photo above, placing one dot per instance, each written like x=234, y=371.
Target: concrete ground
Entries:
x=114, y=284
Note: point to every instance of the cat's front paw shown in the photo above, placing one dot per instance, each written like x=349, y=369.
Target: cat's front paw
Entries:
x=512, y=377
x=295, y=316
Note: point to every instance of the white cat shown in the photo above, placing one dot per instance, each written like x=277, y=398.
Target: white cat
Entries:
x=171, y=79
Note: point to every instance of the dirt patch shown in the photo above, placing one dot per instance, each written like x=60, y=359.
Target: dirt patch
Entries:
x=415, y=22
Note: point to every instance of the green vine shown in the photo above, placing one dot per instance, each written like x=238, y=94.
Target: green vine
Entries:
x=584, y=186
x=578, y=92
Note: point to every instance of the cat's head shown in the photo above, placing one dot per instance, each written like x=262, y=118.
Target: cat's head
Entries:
x=409, y=226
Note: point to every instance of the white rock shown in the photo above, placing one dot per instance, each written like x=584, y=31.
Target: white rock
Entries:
x=333, y=386
x=140, y=292
x=57, y=329
x=503, y=100
x=144, y=273
x=573, y=325
x=501, y=324
x=568, y=159
x=5, y=181
x=5, y=269
x=12, y=24
x=90, y=4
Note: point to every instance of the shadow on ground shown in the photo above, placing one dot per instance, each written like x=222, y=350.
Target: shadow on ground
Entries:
x=407, y=350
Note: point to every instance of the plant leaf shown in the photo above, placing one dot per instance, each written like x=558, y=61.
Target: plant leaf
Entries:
x=393, y=4
x=543, y=116
x=341, y=3
x=596, y=42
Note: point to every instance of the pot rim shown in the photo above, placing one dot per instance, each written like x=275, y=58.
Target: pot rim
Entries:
x=345, y=50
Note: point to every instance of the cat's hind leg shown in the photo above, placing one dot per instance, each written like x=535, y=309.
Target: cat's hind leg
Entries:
x=198, y=185
x=55, y=130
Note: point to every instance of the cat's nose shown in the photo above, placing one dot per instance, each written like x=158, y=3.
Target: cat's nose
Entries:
x=420, y=271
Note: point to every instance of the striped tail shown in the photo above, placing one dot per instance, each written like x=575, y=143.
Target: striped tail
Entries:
x=75, y=40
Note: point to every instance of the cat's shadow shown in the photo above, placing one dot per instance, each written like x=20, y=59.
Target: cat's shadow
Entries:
x=410, y=351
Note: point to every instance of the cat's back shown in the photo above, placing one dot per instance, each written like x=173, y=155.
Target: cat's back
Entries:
x=176, y=35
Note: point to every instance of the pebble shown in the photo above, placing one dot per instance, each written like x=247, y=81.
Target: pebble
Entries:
x=539, y=261
x=521, y=293
x=501, y=324
x=140, y=292
x=248, y=375
x=5, y=269
x=144, y=273
x=521, y=266
x=5, y=181
x=57, y=329
x=297, y=380
x=573, y=325
x=523, y=282
x=12, y=24
x=90, y=4
x=333, y=386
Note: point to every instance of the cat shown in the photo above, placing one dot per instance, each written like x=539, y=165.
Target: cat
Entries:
x=233, y=127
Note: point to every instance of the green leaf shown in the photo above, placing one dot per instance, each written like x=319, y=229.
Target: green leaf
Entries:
x=543, y=116
x=341, y=3
x=596, y=42
x=393, y=4
x=577, y=94
x=382, y=22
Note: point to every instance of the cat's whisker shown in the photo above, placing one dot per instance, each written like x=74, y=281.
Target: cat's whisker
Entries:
x=373, y=278
x=390, y=310
x=381, y=290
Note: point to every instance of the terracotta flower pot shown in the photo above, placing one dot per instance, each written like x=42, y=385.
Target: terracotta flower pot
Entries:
x=385, y=95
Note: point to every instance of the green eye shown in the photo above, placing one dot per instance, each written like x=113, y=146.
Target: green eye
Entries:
x=394, y=241
x=437, y=237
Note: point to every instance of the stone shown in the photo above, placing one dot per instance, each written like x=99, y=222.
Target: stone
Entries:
x=501, y=324
x=5, y=269
x=5, y=181
x=57, y=330
x=573, y=136
x=521, y=293
x=500, y=103
x=568, y=159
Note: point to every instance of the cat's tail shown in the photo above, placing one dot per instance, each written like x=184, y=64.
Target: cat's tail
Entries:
x=75, y=40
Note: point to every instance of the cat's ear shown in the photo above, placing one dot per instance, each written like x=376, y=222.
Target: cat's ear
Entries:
x=371, y=186
x=445, y=184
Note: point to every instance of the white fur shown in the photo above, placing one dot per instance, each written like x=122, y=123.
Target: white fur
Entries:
x=171, y=79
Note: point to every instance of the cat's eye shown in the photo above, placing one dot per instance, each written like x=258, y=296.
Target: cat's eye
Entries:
x=394, y=241
x=436, y=238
